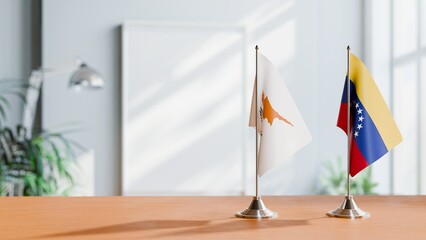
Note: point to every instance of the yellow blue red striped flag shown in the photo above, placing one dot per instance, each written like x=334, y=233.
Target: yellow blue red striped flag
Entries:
x=373, y=130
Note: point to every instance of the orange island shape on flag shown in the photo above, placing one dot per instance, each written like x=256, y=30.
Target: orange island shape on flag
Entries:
x=269, y=112
x=275, y=117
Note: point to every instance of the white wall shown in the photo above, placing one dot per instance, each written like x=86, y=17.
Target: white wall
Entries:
x=305, y=39
x=15, y=48
x=378, y=58
x=340, y=23
x=395, y=58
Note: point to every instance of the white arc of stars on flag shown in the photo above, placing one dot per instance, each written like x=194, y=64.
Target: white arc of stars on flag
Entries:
x=360, y=118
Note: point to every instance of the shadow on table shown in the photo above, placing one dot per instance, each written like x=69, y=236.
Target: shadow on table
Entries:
x=238, y=225
x=129, y=227
x=196, y=226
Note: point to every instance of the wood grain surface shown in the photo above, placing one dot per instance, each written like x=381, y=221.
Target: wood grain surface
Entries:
x=300, y=217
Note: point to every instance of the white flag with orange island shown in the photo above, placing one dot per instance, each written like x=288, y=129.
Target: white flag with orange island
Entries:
x=280, y=125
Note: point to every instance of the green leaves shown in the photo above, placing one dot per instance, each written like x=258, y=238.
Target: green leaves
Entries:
x=45, y=162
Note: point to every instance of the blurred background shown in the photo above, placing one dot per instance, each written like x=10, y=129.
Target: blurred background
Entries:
x=172, y=117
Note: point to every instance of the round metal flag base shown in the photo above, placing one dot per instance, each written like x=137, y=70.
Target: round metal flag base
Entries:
x=257, y=209
x=348, y=209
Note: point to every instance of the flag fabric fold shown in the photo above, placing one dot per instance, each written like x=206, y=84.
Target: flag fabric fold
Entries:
x=280, y=125
x=373, y=131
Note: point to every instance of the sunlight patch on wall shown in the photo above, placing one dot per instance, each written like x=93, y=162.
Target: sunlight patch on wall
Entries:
x=405, y=114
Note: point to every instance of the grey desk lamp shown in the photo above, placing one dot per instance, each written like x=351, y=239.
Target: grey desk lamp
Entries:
x=86, y=77
x=82, y=77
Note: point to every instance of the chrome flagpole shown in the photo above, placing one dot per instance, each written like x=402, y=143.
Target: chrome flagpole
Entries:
x=348, y=208
x=257, y=208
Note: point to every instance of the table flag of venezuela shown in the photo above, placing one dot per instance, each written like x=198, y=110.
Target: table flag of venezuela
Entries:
x=373, y=132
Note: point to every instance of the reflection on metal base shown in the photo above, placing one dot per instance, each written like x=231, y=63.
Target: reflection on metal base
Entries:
x=257, y=209
x=348, y=209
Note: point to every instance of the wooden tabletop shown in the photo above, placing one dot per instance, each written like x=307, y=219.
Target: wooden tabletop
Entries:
x=301, y=217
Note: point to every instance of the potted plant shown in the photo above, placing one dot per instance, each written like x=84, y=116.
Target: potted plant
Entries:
x=334, y=181
x=40, y=164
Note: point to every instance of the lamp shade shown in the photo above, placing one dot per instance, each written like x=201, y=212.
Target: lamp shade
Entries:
x=86, y=77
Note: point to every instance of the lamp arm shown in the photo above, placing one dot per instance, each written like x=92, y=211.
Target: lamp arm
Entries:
x=33, y=93
x=49, y=71
x=31, y=100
